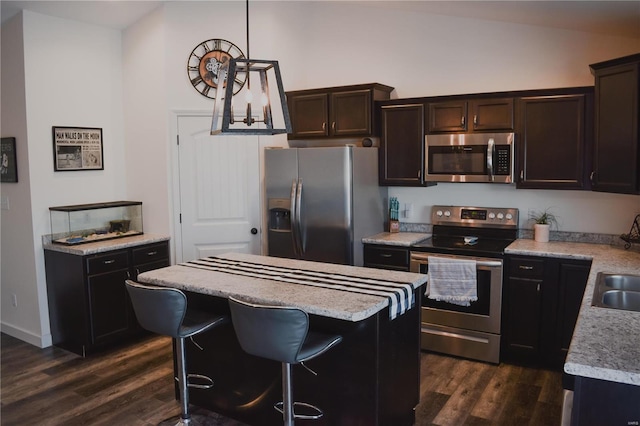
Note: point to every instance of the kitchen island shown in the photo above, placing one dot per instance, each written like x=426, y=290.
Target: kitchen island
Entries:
x=371, y=378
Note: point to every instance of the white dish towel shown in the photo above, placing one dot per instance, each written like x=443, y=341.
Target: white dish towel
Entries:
x=452, y=280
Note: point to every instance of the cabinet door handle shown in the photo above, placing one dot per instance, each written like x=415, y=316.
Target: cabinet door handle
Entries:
x=333, y=125
x=462, y=121
x=538, y=288
x=385, y=255
x=521, y=175
x=419, y=174
x=526, y=268
x=324, y=125
x=591, y=176
x=109, y=262
x=152, y=253
x=475, y=120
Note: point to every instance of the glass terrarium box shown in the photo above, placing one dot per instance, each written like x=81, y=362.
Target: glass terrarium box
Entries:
x=87, y=223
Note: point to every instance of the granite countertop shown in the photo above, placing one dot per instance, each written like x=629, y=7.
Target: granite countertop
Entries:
x=103, y=246
x=315, y=300
x=404, y=239
x=605, y=341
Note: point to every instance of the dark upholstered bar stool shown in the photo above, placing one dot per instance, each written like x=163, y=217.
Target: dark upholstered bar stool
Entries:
x=164, y=311
x=280, y=334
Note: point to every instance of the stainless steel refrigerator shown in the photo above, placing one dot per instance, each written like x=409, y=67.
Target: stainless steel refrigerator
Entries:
x=322, y=201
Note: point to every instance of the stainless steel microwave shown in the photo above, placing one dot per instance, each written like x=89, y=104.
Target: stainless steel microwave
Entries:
x=469, y=157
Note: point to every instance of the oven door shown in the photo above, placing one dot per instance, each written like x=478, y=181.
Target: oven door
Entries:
x=483, y=314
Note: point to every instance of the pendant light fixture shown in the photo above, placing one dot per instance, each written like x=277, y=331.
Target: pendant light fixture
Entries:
x=241, y=114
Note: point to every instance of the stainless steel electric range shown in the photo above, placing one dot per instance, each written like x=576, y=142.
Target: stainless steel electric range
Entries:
x=480, y=234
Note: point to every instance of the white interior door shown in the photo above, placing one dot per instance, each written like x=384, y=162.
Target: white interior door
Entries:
x=219, y=191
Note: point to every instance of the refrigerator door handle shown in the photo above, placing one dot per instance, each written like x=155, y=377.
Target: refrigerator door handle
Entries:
x=294, y=238
x=298, y=220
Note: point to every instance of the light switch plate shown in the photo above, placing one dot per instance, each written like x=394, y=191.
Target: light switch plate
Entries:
x=4, y=202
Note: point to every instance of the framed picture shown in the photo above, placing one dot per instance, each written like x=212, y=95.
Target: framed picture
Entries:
x=8, y=163
x=77, y=148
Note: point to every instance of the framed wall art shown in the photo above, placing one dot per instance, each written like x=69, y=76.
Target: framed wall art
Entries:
x=77, y=148
x=8, y=162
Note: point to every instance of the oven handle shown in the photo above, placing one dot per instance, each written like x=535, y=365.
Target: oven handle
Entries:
x=487, y=263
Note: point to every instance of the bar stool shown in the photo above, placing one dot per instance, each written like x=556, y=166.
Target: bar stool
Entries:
x=163, y=310
x=281, y=334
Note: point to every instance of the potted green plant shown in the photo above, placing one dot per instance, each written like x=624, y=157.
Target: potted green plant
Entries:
x=543, y=220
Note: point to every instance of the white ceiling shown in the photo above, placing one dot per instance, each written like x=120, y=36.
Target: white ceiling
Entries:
x=619, y=18
x=112, y=14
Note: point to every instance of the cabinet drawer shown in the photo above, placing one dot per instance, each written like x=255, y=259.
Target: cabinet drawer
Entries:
x=107, y=262
x=526, y=267
x=150, y=253
x=386, y=256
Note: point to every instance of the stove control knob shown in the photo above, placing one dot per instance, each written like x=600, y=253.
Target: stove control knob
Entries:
x=439, y=213
x=447, y=213
x=509, y=216
x=500, y=216
x=492, y=215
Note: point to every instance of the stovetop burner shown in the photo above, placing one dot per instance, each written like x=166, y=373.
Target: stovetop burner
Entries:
x=475, y=231
x=457, y=245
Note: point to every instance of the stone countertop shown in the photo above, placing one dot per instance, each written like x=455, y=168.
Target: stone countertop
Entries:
x=315, y=300
x=404, y=239
x=103, y=246
x=605, y=341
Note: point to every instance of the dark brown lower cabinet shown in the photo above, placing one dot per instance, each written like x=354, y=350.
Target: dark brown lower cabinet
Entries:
x=542, y=298
x=386, y=257
x=89, y=307
x=602, y=402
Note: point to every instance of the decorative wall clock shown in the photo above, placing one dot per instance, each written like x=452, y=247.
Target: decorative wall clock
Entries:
x=203, y=67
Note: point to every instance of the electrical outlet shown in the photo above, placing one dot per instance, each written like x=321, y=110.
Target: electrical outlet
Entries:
x=14, y=300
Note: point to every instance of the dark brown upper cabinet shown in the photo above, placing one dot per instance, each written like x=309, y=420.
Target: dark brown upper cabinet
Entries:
x=616, y=163
x=471, y=115
x=346, y=111
x=553, y=140
x=401, y=154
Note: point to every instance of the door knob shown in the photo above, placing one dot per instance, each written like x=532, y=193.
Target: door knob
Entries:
x=254, y=231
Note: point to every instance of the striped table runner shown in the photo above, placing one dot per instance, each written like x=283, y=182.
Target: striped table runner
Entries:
x=399, y=294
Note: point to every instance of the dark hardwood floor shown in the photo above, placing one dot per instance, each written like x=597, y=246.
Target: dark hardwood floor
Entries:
x=133, y=385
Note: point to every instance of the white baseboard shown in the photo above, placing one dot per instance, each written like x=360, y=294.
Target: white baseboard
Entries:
x=26, y=336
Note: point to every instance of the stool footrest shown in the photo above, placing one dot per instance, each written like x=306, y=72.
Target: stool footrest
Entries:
x=206, y=382
x=319, y=413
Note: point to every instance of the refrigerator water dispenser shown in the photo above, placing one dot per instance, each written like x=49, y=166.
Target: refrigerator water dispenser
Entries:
x=280, y=214
x=280, y=236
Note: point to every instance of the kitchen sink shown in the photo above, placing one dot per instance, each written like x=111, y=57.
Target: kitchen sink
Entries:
x=617, y=291
x=620, y=299
x=623, y=282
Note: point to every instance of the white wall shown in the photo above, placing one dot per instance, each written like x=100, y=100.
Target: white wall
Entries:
x=75, y=74
x=146, y=120
x=18, y=256
x=576, y=211
x=73, y=77
x=320, y=44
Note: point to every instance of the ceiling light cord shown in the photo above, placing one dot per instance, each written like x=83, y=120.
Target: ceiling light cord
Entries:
x=248, y=55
